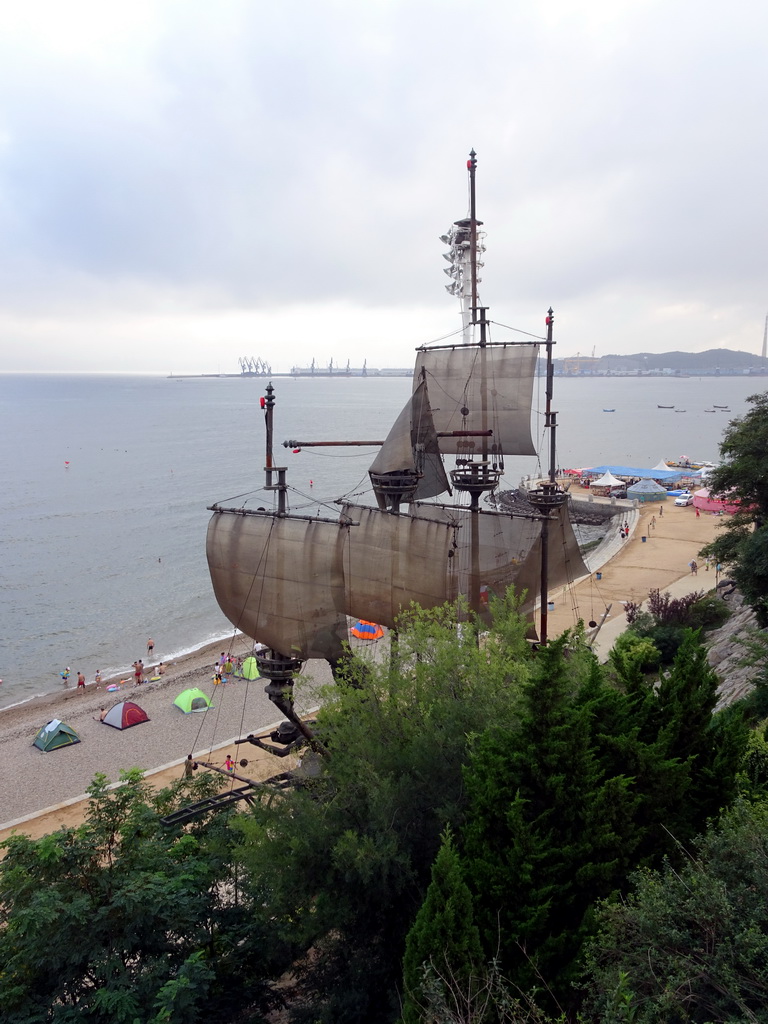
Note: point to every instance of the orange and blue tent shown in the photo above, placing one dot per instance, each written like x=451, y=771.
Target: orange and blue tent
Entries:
x=365, y=630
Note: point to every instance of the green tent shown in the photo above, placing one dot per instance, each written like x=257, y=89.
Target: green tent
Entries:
x=250, y=669
x=192, y=700
x=54, y=735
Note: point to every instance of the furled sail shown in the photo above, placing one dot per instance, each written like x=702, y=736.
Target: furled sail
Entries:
x=473, y=387
x=394, y=560
x=408, y=465
x=279, y=579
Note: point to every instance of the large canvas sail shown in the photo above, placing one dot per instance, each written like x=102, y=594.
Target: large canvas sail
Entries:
x=564, y=561
x=508, y=552
x=411, y=453
x=392, y=561
x=474, y=387
x=495, y=548
x=280, y=581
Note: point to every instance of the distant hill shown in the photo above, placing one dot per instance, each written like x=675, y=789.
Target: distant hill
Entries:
x=710, y=363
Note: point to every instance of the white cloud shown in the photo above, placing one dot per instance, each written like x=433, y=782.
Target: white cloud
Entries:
x=180, y=180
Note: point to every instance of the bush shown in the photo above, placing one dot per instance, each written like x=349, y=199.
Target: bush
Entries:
x=667, y=640
x=708, y=613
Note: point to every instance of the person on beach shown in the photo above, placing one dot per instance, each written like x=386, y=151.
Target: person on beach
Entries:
x=228, y=666
x=150, y=647
x=97, y=678
x=65, y=675
x=81, y=681
x=229, y=765
x=652, y=523
x=661, y=511
x=160, y=670
x=698, y=512
x=102, y=715
x=138, y=673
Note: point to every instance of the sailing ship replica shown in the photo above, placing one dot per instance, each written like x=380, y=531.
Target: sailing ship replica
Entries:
x=294, y=582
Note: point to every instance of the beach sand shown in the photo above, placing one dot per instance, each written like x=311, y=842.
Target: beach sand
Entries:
x=660, y=562
x=34, y=781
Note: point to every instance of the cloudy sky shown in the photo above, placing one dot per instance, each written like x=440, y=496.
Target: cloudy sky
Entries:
x=185, y=182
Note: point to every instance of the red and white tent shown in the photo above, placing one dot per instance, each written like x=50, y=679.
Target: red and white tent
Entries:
x=124, y=715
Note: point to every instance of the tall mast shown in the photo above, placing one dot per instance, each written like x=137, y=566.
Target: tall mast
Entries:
x=473, y=476
x=548, y=498
x=765, y=336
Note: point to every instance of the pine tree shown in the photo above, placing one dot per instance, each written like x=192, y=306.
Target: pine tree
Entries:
x=546, y=827
x=443, y=935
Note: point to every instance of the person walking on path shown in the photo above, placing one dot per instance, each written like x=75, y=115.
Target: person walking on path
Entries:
x=229, y=765
x=652, y=524
x=150, y=647
x=189, y=767
x=698, y=512
x=661, y=511
x=694, y=567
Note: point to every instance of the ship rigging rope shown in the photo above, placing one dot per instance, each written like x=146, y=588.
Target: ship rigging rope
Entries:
x=517, y=330
x=220, y=705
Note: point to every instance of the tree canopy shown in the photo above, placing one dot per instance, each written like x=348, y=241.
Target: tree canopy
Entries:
x=742, y=477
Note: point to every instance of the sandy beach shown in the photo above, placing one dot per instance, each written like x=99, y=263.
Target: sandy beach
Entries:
x=34, y=781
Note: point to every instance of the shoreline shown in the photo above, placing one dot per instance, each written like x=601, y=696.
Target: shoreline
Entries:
x=37, y=782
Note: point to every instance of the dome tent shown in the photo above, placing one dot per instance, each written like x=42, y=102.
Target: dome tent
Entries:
x=250, y=668
x=647, y=490
x=124, y=715
x=192, y=700
x=54, y=735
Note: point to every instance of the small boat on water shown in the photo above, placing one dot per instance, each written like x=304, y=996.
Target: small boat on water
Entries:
x=719, y=406
x=609, y=410
x=665, y=407
x=710, y=410
x=680, y=410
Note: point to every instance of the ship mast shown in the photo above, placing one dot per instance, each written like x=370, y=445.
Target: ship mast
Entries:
x=473, y=476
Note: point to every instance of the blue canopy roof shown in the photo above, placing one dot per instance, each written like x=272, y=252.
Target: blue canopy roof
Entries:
x=651, y=474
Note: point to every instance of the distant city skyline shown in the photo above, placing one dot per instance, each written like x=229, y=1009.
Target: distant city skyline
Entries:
x=185, y=185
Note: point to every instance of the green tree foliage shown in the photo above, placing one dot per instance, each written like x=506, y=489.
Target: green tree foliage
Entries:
x=743, y=477
x=710, y=747
x=690, y=945
x=345, y=864
x=444, y=935
x=121, y=920
x=590, y=783
x=547, y=826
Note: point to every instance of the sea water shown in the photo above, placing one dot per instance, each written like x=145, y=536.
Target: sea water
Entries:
x=107, y=480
